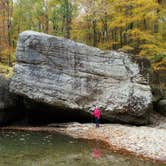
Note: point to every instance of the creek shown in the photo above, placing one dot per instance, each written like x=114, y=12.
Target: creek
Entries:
x=26, y=148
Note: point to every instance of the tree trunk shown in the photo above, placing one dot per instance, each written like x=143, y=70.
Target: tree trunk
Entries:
x=121, y=37
x=9, y=27
x=46, y=26
x=68, y=19
x=94, y=33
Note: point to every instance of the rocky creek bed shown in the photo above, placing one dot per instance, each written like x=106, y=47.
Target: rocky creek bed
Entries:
x=145, y=142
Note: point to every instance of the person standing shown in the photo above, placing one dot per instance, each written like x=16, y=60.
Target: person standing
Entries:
x=97, y=116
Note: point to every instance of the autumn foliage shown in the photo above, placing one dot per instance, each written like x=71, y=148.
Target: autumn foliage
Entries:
x=134, y=26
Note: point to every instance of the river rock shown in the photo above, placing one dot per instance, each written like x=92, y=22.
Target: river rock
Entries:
x=74, y=76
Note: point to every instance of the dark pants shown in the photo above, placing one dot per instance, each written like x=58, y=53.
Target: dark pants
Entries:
x=97, y=122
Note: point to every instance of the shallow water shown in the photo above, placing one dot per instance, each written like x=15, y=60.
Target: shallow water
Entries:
x=53, y=149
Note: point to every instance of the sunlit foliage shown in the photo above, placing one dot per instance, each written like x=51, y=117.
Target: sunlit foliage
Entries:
x=136, y=26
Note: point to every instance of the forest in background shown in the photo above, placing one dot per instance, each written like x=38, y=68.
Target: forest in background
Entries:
x=133, y=26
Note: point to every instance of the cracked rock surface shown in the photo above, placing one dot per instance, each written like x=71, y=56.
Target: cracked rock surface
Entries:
x=71, y=75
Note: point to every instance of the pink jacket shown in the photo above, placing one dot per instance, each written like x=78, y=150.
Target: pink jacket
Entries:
x=97, y=113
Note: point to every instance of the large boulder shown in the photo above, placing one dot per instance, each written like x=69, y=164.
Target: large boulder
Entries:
x=74, y=76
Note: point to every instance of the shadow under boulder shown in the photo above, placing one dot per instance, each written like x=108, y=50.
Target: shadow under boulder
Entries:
x=37, y=113
x=10, y=105
x=161, y=107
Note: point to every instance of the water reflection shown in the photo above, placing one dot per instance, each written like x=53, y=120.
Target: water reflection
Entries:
x=96, y=153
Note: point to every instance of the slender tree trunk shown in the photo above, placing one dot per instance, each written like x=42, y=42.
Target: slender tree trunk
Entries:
x=68, y=18
x=9, y=5
x=68, y=27
x=94, y=32
x=145, y=24
x=160, y=1
x=105, y=28
x=46, y=17
x=115, y=37
x=121, y=37
x=112, y=32
x=47, y=24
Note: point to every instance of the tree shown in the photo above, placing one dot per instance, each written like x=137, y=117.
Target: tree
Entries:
x=5, y=30
x=62, y=15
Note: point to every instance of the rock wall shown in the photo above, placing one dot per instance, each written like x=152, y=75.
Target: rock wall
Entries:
x=8, y=103
x=71, y=75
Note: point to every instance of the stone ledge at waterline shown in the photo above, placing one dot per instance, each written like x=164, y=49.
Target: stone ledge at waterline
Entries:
x=74, y=76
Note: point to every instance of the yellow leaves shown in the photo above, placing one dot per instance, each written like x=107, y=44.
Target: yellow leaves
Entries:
x=100, y=25
x=6, y=51
x=153, y=47
x=151, y=16
x=6, y=70
x=156, y=54
x=135, y=34
x=117, y=23
x=105, y=45
x=142, y=6
x=52, y=3
x=148, y=50
x=138, y=35
x=149, y=46
x=77, y=35
x=133, y=19
x=127, y=49
x=151, y=50
x=160, y=65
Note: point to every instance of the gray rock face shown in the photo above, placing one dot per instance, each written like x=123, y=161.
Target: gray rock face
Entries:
x=71, y=75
